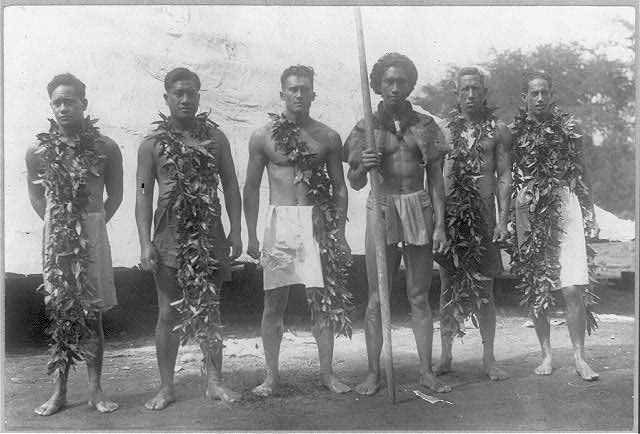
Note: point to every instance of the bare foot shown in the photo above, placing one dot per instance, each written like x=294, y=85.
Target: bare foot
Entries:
x=98, y=401
x=370, y=385
x=545, y=368
x=494, y=372
x=163, y=398
x=443, y=366
x=332, y=383
x=585, y=371
x=218, y=390
x=432, y=383
x=268, y=388
x=53, y=405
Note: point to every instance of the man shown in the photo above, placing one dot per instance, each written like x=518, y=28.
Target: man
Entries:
x=184, y=142
x=475, y=134
x=290, y=254
x=68, y=172
x=546, y=137
x=407, y=144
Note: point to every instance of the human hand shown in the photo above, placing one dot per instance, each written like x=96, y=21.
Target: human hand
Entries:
x=500, y=233
x=371, y=159
x=253, y=248
x=235, y=241
x=149, y=257
x=440, y=244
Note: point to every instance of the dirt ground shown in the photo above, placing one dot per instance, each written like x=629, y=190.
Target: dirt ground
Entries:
x=525, y=402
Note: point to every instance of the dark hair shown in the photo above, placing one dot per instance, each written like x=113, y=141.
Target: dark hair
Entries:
x=469, y=70
x=67, y=79
x=298, y=71
x=529, y=76
x=180, y=74
x=385, y=62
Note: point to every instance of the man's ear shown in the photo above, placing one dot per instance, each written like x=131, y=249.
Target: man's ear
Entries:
x=85, y=104
x=313, y=96
x=166, y=97
x=523, y=96
x=282, y=95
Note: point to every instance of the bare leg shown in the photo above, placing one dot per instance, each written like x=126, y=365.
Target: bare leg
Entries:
x=372, y=319
x=272, y=327
x=487, y=323
x=167, y=342
x=324, y=340
x=97, y=398
x=419, y=264
x=447, y=324
x=576, y=322
x=541, y=324
x=59, y=398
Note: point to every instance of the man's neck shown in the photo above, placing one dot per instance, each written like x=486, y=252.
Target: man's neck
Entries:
x=472, y=116
x=301, y=119
x=71, y=130
x=538, y=119
x=183, y=124
x=396, y=110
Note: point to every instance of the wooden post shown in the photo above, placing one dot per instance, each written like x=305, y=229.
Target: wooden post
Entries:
x=380, y=229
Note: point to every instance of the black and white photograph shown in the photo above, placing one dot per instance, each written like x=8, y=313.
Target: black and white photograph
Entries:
x=267, y=216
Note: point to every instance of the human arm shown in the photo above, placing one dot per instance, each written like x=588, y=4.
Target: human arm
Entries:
x=37, y=190
x=503, y=171
x=355, y=153
x=145, y=182
x=232, y=200
x=336, y=174
x=586, y=199
x=113, y=180
x=435, y=182
x=251, y=193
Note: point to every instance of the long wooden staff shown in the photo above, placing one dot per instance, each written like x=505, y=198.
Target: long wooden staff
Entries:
x=380, y=230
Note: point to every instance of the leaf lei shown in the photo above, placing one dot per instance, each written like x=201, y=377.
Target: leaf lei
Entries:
x=329, y=305
x=66, y=250
x=466, y=227
x=545, y=158
x=194, y=170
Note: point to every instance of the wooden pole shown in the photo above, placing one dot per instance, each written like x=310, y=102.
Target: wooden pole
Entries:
x=380, y=230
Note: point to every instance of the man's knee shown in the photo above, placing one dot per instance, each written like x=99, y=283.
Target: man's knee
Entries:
x=420, y=301
x=572, y=296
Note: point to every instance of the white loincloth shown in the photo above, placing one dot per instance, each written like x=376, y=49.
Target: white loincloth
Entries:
x=290, y=253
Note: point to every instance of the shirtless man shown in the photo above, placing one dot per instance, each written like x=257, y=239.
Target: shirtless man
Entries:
x=496, y=179
x=289, y=226
x=68, y=102
x=408, y=145
x=161, y=255
x=575, y=199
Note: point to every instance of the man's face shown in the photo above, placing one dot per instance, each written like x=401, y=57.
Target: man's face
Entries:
x=68, y=108
x=471, y=93
x=182, y=99
x=395, y=87
x=538, y=97
x=297, y=94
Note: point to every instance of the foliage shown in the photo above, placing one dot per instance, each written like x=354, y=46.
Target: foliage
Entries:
x=329, y=305
x=598, y=90
x=546, y=157
x=67, y=164
x=466, y=227
x=194, y=169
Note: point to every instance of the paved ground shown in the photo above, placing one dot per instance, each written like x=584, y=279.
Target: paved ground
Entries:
x=523, y=402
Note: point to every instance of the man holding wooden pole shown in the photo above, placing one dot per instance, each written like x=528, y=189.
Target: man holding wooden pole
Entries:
x=407, y=143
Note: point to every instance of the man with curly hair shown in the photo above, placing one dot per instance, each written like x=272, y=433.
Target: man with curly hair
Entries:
x=535, y=129
x=68, y=103
x=408, y=145
x=160, y=255
x=494, y=180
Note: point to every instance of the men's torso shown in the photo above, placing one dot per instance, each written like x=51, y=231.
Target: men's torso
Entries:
x=402, y=166
x=487, y=181
x=283, y=188
x=164, y=174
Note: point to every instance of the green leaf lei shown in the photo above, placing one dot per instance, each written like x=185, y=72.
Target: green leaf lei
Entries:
x=466, y=227
x=546, y=158
x=195, y=172
x=66, y=250
x=329, y=305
